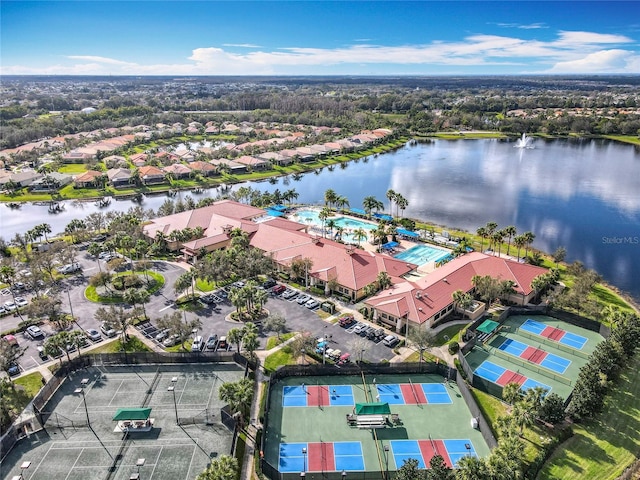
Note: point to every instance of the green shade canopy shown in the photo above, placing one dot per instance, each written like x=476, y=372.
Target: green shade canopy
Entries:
x=372, y=409
x=132, y=414
x=488, y=326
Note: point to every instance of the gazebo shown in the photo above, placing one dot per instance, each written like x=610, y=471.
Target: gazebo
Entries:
x=370, y=415
x=486, y=329
x=133, y=420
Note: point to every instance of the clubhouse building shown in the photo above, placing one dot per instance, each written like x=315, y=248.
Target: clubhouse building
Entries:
x=347, y=268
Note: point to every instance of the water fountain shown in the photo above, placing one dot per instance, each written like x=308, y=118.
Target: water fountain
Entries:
x=524, y=142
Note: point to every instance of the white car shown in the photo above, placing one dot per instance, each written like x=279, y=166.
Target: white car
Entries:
x=21, y=302
x=171, y=341
x=10, y=306
x=107, y=330
x=34, y=332
x=70, y=268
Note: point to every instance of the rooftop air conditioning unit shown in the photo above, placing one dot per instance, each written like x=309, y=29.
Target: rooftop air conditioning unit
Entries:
x=418, y=294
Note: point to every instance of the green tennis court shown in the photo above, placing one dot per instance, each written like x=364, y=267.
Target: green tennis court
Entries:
x=312, y=424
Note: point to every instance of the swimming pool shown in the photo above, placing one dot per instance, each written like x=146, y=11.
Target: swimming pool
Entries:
x=421, y=254
x=311, y=216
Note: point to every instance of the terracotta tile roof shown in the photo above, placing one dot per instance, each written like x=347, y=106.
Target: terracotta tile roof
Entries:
x=150, y=171
x=88, y=176
x=422, y=299
x=177, y=169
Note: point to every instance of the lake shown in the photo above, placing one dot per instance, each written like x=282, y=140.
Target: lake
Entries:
x=580, y=194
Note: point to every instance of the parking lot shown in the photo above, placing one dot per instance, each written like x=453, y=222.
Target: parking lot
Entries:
x=298, y=308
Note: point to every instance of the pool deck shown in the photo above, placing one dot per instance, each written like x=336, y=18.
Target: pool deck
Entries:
x=367, y=246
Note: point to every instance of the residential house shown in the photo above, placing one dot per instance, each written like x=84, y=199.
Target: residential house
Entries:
x=226, y=164
x=254, y=163
x=22, y=179
x=150, y=175
x=51, y=182
x=276, y=158
x=203, y=168
x=119, y=177
x=178, y=171
x=88, y=179
x=75, y=156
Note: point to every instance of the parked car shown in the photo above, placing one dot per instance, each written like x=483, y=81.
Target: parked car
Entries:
x=14, y=369
x=11, y=340
x=93, y=335
x=238, y=284
x=171, y=340
x=290, y=294
x=358, y=328
x=21, y=302
x=268, y=283
x=347, y=321
x=311, y=304
x=107, y=330
x=211, y=342
x=209, y=299
x=162, y=334
x=302, y=299
x=365, y=331
x=34, y=332
x=10, y=306
x=198, y=344
x=222, y=343
x=391, y=341
x=70, y=268
x=278, y=289
x=41, y=353
x=3, y=310
x=344, y=358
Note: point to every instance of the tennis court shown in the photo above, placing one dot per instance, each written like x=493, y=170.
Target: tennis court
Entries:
x=543, y=352
x=73, y=446
x=305, y=435
x=556, y=334
x=452, y=450
x=535, y=355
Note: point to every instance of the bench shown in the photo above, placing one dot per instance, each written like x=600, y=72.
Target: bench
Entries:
x=371, y=421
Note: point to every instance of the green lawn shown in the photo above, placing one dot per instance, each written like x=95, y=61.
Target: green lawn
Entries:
x=274, y=341
x=73, y=168
x=602, y=448
x=204, y=285
x=115, y=346
x=452, y=333
x=157, y=283
x=281, y=357
x=31, y=383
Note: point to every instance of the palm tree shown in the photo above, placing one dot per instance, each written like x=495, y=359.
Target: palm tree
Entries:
x=359, y=234
x=391, y=196
x=323, y=215
x=519, y=241
x=235, y=335
x=511, y=393
x=238, y=395
x=371, y=203
x=529, y=237
x=471, y=468
x=509, y=232
x=384, y=280
x=482, y=233
x=44, y=229
x=401, y=203
x=341, y=202
x=330, y=197
x=490, y=227
x=497, y=238
x=224, y=467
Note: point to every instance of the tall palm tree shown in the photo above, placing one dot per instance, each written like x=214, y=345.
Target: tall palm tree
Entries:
x=371, y=203
x=224, y=467
x=509, y=232
x=519, y=241
x=529, y=237
x=490, y=227
x=323, y=215
x=482, y=233
x=402, y=203
x=330, y=197
x=391, y=196
x=341, y=202
x=498, y=237
x=44, y=229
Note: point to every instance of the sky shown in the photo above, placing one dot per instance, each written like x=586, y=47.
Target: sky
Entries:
x=210, y=37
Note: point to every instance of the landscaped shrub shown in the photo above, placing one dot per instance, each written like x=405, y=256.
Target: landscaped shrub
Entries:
x=545, y=452
x=454, y=347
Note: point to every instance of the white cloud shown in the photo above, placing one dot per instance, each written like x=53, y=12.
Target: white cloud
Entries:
x=241, y=45
x=93, y=58
x=604, y=61
x=569, y=52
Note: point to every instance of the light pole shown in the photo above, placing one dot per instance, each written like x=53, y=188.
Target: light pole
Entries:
x=343, y=474
x=304, y=459
x=324, y=348
x=468, y=447
x=172, y=389
x=361, y=354
x=83, y=383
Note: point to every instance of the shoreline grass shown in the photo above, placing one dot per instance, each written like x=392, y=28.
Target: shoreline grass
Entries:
x=603, y=447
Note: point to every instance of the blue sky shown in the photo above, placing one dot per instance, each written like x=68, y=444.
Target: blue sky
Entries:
x=318, y=38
